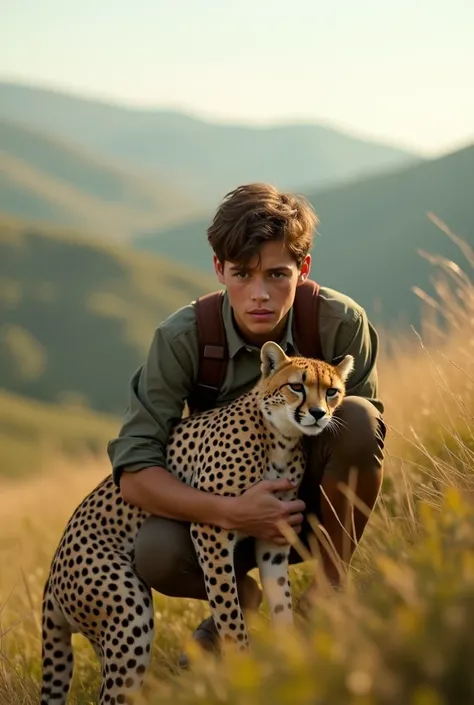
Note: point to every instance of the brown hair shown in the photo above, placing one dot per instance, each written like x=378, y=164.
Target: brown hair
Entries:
x=253, y=214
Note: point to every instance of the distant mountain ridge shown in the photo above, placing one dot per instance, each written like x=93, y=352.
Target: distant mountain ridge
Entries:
x=206, y=159
x=46, y=179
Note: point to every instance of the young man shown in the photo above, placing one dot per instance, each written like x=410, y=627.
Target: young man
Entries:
x=261, y=240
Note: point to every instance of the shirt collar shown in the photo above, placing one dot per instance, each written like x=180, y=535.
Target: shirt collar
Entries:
x=234, y=340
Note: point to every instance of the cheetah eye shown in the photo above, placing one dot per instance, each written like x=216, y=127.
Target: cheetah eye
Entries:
x=332, y=392
x=296, y=387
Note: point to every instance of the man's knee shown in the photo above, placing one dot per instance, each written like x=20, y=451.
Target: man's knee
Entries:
x=364, y=429
x=164, y=555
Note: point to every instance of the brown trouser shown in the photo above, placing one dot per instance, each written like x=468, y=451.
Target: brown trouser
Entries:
x=164, y=552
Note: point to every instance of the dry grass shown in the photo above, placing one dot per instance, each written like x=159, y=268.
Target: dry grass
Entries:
x=401, y=633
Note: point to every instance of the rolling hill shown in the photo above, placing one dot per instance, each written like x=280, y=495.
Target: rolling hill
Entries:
x=44, y=178
x=369, y=234
x=77, y=317
x=34, y=433
x=207, y=159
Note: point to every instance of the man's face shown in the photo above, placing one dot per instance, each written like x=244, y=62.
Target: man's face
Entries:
x=262, y=292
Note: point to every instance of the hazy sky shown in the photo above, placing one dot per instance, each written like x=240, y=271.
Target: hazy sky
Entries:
x=401, y=71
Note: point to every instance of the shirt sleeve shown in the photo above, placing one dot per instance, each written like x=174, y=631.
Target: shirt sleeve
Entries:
x=157, y=394
x=359, y=338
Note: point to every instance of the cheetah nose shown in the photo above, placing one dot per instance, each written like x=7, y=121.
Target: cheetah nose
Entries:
x=317, y=413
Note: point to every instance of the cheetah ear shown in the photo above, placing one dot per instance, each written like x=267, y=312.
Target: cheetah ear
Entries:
x=272, y=356
x=345, y=367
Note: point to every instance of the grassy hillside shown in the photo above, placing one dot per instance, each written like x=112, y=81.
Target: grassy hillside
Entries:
x=45, y=178
x=33, y=434
x=400, y=633
x=77, y=317
x=209, y=159
x=369, y=234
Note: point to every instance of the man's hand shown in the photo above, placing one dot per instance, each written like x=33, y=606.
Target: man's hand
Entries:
x=257, y=512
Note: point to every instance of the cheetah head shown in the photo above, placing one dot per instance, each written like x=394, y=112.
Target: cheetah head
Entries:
x=300, y=395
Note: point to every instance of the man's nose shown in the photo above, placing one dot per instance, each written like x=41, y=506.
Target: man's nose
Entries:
x=259, y=291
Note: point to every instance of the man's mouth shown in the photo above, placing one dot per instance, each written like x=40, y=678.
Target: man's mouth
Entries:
x=260, y=312
x=261, y=316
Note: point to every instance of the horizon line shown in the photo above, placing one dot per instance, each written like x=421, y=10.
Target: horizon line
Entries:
x=113, y=101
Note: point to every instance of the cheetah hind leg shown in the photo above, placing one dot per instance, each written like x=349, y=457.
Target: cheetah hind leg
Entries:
x=126, y=641
x=272, y=561
x=57, y=654
x=215, y=550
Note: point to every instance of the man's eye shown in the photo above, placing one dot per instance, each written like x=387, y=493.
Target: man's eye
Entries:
x=241, y=275
x=296, y=387
x=332, y=392
x=277, y=275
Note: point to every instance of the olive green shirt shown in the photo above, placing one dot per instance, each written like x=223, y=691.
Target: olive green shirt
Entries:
x=159, y=389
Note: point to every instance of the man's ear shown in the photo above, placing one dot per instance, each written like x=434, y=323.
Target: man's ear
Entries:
x=304, y=269
x=272, y=357
x=219, y=269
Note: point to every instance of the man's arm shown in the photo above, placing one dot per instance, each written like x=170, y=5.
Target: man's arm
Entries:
x=158, y=492
x=157, y=395
x=158, y=391
x=358, y=337
x=256, y=512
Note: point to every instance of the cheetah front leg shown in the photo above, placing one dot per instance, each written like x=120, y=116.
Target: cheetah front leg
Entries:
x=215, y=550
x=272, y=561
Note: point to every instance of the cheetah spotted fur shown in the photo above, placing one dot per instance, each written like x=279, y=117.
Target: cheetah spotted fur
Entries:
x=92, y=587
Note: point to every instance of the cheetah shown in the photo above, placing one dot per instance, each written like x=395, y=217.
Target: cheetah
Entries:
x=92, y=586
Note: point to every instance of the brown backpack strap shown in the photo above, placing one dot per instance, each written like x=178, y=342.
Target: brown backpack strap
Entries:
x=213, y=354
x=306, y=320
